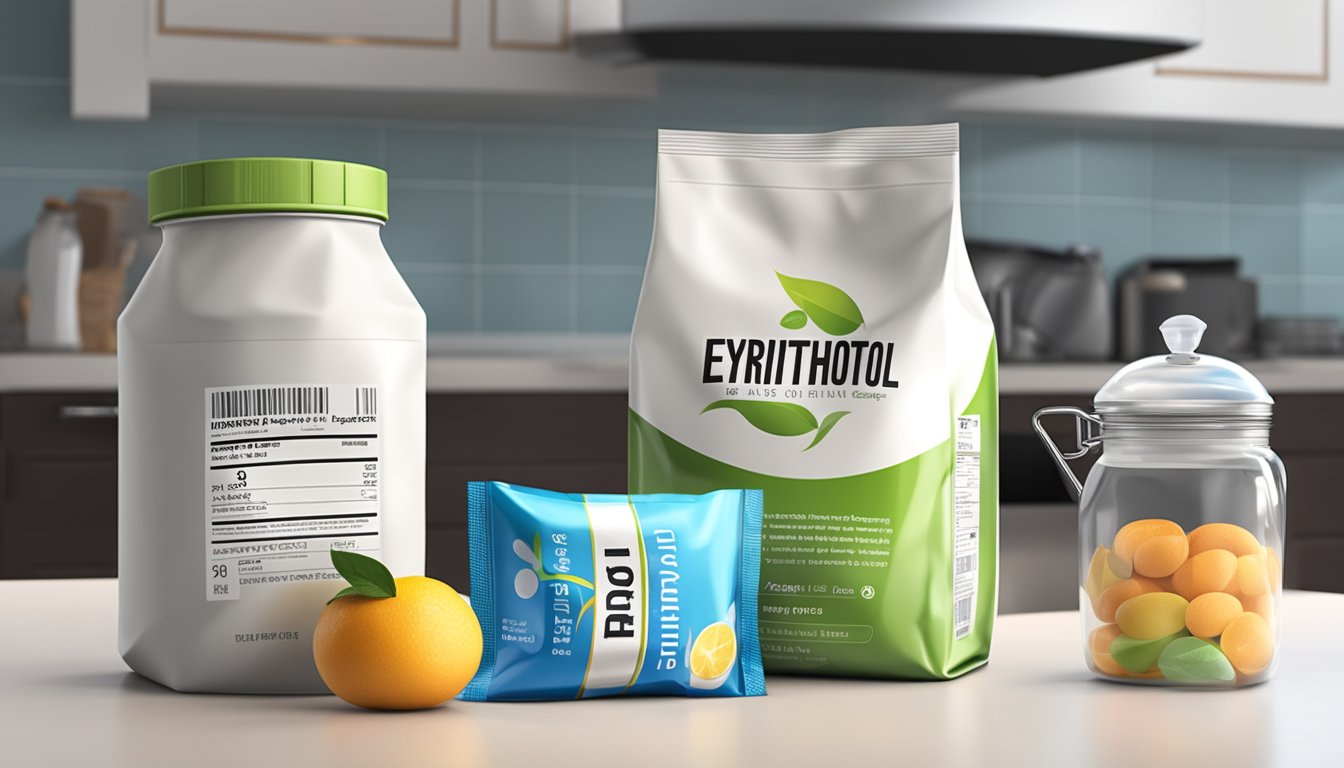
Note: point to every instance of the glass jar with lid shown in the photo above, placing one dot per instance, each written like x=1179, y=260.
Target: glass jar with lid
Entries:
x=1181, y=520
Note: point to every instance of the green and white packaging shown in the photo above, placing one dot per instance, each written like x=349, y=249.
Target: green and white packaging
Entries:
x=809, y=325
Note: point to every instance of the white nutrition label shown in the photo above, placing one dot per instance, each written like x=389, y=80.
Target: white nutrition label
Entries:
x=291, y=471
x=966, y=524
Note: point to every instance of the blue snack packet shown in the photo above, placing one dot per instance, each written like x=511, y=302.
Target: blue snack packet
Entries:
x=585, y=596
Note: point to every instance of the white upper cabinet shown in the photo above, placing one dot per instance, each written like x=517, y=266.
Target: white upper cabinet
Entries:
x=1273, y=62
x=126, y=51
x=1258, y=38
x=386, y=22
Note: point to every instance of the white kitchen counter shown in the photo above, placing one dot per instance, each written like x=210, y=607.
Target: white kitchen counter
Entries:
x=599, y=363
x=67, y=699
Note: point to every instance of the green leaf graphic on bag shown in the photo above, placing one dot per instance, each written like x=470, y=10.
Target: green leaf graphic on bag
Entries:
x=780, y=419
x=832, y=309
x=826, y=425
x=794, y=320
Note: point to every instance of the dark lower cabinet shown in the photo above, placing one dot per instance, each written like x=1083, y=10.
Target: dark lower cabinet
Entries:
x=58, y=473
x=564, y=442
x=58, y=488
x=1308, y=435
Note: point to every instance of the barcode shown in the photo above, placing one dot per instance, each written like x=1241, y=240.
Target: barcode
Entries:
x=366, y=401
x=268, y=401
x=964, y=564
x=961, y=613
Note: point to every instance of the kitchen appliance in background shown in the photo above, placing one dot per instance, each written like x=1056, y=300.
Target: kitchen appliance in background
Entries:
x=54, y=257
x=1156, y=288
x=1026, y=37
x=1301, y=335
x=1047, y=305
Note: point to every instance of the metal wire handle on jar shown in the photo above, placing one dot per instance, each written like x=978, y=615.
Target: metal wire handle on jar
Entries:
x=1085, y=436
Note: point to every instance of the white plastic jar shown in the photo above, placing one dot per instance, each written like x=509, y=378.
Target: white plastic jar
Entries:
x=271, y=377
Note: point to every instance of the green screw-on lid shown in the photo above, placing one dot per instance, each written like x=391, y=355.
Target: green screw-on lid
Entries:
x=266, y=185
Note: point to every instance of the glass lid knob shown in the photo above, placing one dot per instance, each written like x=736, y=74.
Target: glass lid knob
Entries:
x=1182, y=334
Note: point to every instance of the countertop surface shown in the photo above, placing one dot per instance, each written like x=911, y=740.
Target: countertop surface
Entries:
x=67, y=699
x=600, y=363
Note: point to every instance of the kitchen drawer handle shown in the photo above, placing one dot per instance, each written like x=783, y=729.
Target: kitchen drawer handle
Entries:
x=88, y=411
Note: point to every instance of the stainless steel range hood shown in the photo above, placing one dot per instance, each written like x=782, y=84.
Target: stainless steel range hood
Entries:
x=1011, y=37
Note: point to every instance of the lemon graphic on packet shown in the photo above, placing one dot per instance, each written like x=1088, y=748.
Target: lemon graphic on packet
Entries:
x=384, y=643
x=712, y=655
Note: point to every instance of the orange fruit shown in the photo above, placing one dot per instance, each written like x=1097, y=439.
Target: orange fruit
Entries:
x=413, y=651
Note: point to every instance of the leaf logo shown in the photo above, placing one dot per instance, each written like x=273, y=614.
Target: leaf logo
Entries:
x=835, y=313
x=828, y=307
x=781, y=419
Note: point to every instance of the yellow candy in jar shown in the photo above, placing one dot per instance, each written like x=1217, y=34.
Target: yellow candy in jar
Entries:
x=1122, y=568
x=1099, y=574
x=1115, y=595
x=1152, y=615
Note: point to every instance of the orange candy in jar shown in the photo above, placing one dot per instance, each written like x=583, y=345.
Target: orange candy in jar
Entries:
x=1181, y=519
x=1208, y=582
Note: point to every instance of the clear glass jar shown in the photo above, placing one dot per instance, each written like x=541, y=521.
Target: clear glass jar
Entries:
x=1181, y=521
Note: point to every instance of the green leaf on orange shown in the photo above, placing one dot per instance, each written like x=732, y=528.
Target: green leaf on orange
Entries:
x=367, y=576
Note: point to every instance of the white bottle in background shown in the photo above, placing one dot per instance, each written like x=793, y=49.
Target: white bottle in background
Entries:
x=55, y=255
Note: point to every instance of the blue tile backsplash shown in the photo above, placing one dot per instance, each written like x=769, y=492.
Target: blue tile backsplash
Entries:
x=544, y=225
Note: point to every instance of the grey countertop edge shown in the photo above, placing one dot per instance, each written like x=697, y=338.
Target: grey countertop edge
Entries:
x=600, y=363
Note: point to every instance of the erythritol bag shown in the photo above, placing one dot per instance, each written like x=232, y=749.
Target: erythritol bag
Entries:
x=586, y=596
x=809, y=325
